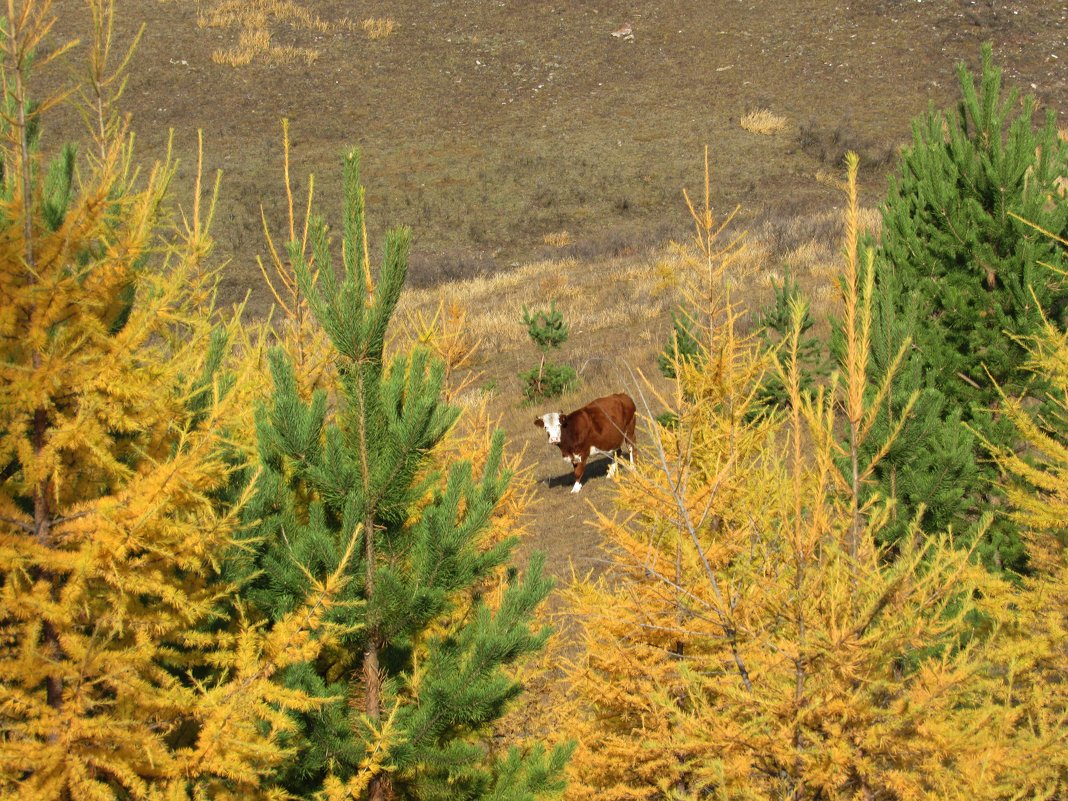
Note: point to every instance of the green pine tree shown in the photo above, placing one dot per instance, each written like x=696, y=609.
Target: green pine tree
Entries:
x=968, y=267
x=548, y=330
x=929, y=467
x=421, y=674
x=683, y=346
x=775, y=323
x=951, y=229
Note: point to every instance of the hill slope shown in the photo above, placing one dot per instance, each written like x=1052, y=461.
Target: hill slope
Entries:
x=489, y=126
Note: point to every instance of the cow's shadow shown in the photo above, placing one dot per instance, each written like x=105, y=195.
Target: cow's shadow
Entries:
x=595, y=468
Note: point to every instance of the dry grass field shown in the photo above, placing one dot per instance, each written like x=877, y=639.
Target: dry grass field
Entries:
x=540, y=153
x=491, y=127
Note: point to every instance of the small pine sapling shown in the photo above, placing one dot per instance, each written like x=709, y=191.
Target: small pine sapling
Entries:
x=683, y=345
x=775, y=322
x=548, y=330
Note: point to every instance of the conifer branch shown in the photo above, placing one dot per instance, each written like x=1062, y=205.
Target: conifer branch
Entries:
x=683, y=519
x=27, y=527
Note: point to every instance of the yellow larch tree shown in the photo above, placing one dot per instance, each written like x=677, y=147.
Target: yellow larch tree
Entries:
x=753, y=641
x=1037, y=489
x=1039, y=493
x=123, y=431
x=638, y=620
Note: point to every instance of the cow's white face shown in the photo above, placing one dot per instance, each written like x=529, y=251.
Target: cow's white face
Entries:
x=551, y=423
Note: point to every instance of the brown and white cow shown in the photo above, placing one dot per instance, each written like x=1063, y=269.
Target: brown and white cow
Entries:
x=605, y=425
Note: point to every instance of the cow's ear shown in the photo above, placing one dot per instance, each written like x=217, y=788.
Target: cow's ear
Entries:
x=539, y=422
x=563, y=421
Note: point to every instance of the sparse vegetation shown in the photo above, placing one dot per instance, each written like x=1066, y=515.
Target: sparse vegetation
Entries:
x=548, y=330
x=763, y=122
x=558, y=239
x=378, y=27
x=256, y=23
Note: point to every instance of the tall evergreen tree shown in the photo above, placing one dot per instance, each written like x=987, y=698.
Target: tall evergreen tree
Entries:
x=965, y=264
x=952, y=231
x=420, y=674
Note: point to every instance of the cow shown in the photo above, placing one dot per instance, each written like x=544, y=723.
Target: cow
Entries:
x=605, y=425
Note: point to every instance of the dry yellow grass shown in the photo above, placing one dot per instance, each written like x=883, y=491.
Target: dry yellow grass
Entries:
x=763, y=121
x=256, y=23
x=615, y=324
x=557, y=239
x=810, y=250
x=250, y=42
x=377, y=27
x=1061, y=184
x=619, y=309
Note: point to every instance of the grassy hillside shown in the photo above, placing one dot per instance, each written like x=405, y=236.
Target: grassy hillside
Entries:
x=498, y=131
x=619, y=310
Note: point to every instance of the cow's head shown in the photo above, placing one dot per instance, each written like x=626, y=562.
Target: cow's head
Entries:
x=553, y=423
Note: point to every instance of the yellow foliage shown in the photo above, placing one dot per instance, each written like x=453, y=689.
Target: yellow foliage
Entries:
x=256, y=21
x=124, y=422
x=1038, y=494
x=296, y=330
x=751, y=640
x=446, y=334
x=557, y=239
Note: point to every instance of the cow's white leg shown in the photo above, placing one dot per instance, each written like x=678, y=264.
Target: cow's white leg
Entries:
x=580, y=469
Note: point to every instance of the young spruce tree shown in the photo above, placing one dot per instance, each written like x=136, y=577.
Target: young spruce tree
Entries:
x=421, y=672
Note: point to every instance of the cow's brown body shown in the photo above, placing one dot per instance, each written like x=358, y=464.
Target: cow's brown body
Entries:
x=605, y=425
